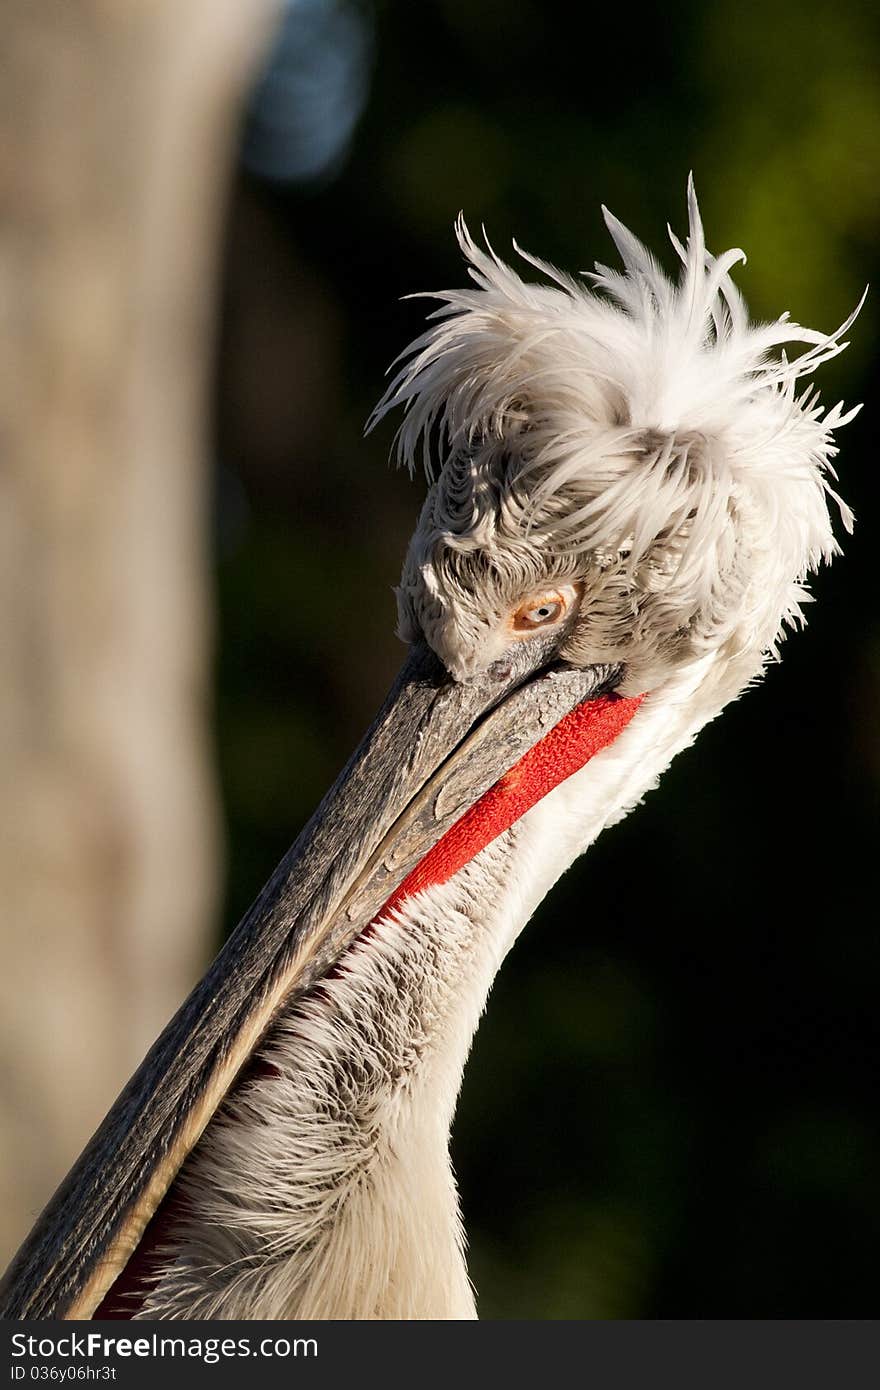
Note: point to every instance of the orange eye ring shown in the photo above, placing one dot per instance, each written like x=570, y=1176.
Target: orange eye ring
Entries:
x=542, y=611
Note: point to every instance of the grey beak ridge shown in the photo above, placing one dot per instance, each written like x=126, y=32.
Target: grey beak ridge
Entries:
x=382, y=815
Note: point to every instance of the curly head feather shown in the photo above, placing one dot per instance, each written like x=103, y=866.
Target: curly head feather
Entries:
x=642, y=434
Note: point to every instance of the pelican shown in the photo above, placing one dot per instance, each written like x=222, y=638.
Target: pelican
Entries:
x=627, y=494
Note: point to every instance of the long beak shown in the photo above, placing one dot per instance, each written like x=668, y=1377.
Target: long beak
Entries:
x=435, y=747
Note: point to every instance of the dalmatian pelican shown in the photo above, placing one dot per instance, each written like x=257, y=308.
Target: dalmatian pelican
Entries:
x=627, y=494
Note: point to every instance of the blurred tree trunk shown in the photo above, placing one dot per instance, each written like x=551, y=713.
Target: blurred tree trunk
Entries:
x=119, y=124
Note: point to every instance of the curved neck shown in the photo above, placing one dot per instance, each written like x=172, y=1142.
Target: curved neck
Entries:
x=323, y=1189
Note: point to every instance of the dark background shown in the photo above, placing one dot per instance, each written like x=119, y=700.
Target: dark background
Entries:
x=671, y=1107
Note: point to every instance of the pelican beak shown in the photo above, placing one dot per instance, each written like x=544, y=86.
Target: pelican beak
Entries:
x=434, y=749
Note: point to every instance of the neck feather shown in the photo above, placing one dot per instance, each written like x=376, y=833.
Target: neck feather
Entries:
x=323, y=1189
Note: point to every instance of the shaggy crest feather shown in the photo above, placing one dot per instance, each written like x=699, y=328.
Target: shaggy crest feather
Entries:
x=643, y=433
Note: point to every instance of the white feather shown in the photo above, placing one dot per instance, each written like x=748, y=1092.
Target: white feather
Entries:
x=649, y=434
x=324, y=1189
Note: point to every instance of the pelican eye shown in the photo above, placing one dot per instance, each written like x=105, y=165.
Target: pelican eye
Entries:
x=542, y=611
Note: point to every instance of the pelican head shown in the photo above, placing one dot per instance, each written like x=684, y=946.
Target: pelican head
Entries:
x=627, y=492
x=640, y=455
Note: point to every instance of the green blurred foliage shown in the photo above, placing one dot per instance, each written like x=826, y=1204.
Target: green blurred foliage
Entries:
x=670, y=1110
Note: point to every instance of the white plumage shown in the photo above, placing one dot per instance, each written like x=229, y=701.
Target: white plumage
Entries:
x=646, y=440
x=652, y=440
x=326, y=1190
